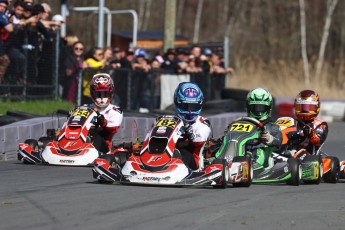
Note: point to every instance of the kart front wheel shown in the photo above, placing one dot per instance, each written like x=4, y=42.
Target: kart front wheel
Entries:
x=249, y=172
x=225, y=173
x=332, y=176
x=296, y=171
x=320, y=169
x=34, y=145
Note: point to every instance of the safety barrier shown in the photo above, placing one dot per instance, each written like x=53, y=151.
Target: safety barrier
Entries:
x=13, y=134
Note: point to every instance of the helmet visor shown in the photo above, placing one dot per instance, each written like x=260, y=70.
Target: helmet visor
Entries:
x=101, y=94
x=255, y=108
x=305, y=107
x=188, y=107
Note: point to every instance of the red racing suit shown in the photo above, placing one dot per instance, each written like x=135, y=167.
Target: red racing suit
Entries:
x=316, y=137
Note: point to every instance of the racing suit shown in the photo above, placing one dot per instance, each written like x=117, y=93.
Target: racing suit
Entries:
x=193, y=141
x=316, y=136
x=113, y=117
x=262, y=153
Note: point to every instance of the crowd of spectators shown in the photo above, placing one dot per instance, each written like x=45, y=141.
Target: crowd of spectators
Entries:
x=29, y=37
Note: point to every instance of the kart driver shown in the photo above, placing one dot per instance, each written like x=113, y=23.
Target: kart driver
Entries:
x=259, y=105
x=110, y=116
x=307, y=107
x=188, y=99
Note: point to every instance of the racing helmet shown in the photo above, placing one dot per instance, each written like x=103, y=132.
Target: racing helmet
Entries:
x=307, y=105
x=102, y=89
x=259, y=104
x=188, y=99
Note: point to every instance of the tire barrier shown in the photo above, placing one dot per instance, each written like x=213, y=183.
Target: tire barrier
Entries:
x=18, y=132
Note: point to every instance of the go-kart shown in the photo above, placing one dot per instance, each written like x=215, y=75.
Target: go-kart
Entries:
x=315, y=166
x=242, y=133
x=69, y=146
x=159, y=162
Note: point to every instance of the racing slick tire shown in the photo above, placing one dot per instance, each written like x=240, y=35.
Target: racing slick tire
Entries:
x=43, y=141
x=320, y=170
x=296, y=171
x=225, y=173
x=33, y=144
x=110, y=158
x=250, y=171
x=332, y=176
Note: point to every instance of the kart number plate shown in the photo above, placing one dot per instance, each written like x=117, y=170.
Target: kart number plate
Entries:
x=239, y=127
x=167, y=123
x=81, y=112
x=284, y=122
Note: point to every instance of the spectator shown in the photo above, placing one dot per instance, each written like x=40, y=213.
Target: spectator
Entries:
x=93, y=60
x=18, y=62
x=107, y=56
x=140, y=81
x=72, y=65
x=170, y=61
x=118, y=54
x=5, y=25
x=182, y=60
x=128, y=59
x=218, y=75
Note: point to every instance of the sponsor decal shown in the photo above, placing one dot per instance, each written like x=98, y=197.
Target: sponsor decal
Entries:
x=316, y=171
x=154, y=158
x=161, y=130
x=286, y=169
x=66, y=161
x=70, y=144
x=244, y=171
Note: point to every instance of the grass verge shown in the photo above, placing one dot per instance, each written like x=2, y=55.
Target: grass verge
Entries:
x=39, y=107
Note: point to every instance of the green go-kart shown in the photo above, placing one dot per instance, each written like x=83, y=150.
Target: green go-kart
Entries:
x=242, y=134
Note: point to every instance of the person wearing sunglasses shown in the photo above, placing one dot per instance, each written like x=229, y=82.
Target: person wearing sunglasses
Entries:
x=188, y=99
x=71, y=68
x=93, y=60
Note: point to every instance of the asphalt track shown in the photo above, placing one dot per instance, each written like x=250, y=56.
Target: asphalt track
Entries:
x=51, y=197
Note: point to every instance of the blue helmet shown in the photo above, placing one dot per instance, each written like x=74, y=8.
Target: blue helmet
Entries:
x=188, y=99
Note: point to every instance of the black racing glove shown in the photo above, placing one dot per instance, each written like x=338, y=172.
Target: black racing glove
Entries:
x=189, y=133
x=307, y=131
x=101, y=120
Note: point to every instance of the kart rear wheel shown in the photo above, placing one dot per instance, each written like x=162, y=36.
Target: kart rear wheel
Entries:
x=225, y=173
x=320, y=169
x=110, y=158
x=296, y=171
x=332, y=176
x=250, y=171
x=44, y=141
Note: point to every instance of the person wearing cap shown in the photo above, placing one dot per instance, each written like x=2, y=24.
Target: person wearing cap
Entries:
x=7, y=27
x=170, y=62
x=115, y=60
x=128, y=59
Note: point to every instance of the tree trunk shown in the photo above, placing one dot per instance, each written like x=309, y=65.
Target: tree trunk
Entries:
x=331, y=4
x=197, y=21
x=304, y=43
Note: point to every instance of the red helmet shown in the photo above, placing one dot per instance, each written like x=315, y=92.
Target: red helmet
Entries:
x=307, y=105
x=102, y=89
